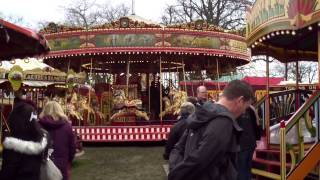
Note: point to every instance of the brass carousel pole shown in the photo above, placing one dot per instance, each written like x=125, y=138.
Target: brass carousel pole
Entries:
x=127, y=77
x=317, y=123
x=286, y=71
x=89, y=100
x=319, y=66
x=78, y=95
x=177, y=78
x=184, y=77
x=218, y=75
x=149, y=85
x=267, y=105
x=160, y=84
x=297, y=86
x=66, y=95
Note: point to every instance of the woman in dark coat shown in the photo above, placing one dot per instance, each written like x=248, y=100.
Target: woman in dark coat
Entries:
x=22, y=154
x=53, y=119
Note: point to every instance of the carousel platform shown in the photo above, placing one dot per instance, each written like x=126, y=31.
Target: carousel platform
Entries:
x=147, y=133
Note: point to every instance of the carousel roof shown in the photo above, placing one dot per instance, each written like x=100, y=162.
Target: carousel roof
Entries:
x=25, y=64
x=19, y=42
x=286, y=30
x=142, y=43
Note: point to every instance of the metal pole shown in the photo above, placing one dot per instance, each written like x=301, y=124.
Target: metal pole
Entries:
x=184, y=76
x=297, y=86
x=160, y=84
x=66, y=95
x=286, y=71
x=127, y=77
x=149, y=85
x=318, y=58
x=89, y=101
x=218, y=75
x=267, y=120
x=283, y=149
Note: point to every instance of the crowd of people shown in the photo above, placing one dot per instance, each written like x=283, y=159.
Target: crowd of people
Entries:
x=32, y=137
x=214, y=140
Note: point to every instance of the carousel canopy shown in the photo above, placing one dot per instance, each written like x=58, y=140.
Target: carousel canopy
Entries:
x=19, y=42
x=143, y=44
x=286, y=30
x=36, y=73
x=25, y=64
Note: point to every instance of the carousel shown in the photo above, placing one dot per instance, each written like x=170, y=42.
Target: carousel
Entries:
x=133, y=69
x=289, y=32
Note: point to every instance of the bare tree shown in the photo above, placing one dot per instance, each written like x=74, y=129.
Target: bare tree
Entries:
x=307, y=71
x=109, y=13
x=88, y=13
x=14, y=19
x=228, y=14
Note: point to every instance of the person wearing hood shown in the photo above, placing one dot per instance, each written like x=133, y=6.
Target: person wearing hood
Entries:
x=23, y=148
x=208, y=148
x=53, y=119
x=177, y=129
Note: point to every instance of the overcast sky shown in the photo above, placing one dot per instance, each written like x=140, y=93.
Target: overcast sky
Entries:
x=34, y=11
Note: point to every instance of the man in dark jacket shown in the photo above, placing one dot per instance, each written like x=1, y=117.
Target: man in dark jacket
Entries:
x=251, y=132
x=177, y=129
x=208, y=148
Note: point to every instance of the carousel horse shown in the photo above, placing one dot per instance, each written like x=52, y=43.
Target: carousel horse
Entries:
x=72, y=107
x=127, y=107
x=86, y=107
x=173, y=107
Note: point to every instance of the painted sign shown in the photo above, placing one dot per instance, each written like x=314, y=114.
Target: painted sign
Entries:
x=149, y=40
x=64, y=43
x=298, y=14
x=263, y=11
x=127, y=40
x=15, y=77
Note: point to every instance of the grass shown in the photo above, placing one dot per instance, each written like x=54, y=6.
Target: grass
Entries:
x=119, y=163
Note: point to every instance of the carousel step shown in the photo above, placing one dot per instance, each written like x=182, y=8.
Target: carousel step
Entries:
x=269, y=162
x=263, y=173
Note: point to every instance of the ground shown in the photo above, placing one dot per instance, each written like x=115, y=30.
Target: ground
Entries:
x=120, y=163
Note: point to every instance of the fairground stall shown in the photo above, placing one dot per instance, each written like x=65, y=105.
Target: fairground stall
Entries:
x=133, y=68
x=17, y=42
x=289, y=32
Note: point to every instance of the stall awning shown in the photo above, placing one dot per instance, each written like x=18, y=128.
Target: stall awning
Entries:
x=19, y=42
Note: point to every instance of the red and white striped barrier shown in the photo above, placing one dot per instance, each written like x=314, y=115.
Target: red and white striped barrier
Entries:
x=123, y=133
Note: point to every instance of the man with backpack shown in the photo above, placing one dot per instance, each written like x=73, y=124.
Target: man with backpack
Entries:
x=209, y=147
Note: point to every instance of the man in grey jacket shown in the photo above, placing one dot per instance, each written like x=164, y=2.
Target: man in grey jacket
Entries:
x=209, y=146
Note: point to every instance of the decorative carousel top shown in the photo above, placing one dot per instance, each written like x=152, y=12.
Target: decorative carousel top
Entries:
x=138, y=41
x=286, y=30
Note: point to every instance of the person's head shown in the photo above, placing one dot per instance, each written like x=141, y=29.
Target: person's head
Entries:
x=191, y=99
x=23, y=122
x=237, y=96
x=45, y=100
x=53, y=109
x=187, y=108
x=202, y=93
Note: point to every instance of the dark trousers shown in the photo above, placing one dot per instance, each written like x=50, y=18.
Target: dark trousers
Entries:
x=245, y=164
